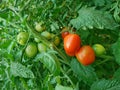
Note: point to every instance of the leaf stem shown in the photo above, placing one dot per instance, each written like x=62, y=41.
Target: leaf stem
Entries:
x=67, y=77
x=107, y=59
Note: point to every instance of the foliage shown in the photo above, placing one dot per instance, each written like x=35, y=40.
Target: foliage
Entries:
x=89, y=18
x=116, y=50
x=95, y=21
x=106, y=85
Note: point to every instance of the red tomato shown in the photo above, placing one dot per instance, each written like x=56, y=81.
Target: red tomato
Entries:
x=86, y=55
x=72, y=44
x=64, y=34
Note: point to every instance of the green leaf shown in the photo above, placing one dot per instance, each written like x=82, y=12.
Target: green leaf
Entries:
x=54, y=26
x=85, y=73
x=89, y=17
x=50, y=61
x=106, y=85
x=117, y=74
x=11, y=46
x=84, y=34
x=116, y=51
x=60, y=87
x=99, y=2
x=4, y=54
x=17, y=69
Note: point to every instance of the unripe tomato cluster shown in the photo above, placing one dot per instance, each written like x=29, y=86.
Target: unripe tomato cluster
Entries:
x=49, y=36
x=35, y=45
x=84, y=54
x=32, y=48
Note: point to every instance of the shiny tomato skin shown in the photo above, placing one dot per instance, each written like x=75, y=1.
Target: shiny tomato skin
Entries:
x=72, y=43
x=64, y=34
x=86, y=55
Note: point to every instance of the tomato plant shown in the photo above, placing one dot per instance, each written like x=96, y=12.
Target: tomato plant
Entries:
x=72, y=44
x=64, y=63
x=86, y=55
x=99, y=49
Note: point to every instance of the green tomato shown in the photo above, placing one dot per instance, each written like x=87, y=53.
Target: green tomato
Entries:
x=22, y=38
x=99, y=49
x=31, y=50
x=37, y=40
x=39, y=27
x=41, y=47
x=46, y=34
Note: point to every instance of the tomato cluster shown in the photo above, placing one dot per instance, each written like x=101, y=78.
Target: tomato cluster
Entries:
x=84, y=54
x=72, y=47
x=34, y=45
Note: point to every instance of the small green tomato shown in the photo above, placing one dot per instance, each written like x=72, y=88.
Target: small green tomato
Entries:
x=99, y=49
x=41, y=47
x=37, y=39
x=39, y=27
x=31, y=50
x=46, y=34
x=22, y=38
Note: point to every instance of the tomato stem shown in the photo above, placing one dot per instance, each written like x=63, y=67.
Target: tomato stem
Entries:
x=25, y=47
x=67, y=77
x=102, y=62
x=106, y=57
x=62, y=55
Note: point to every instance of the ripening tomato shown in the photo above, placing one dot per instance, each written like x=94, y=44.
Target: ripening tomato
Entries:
x=56, y=40
x=86, y=55
x=72, y=44
x=64, y=34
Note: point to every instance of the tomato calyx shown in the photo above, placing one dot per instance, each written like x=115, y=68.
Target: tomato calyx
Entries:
x=66, y=31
